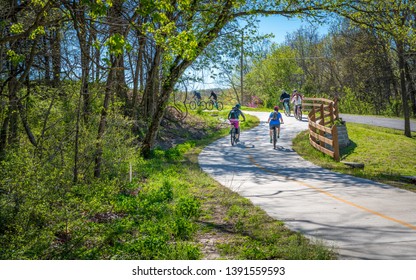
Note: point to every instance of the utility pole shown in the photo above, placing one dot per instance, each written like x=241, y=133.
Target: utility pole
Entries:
x=241, y=67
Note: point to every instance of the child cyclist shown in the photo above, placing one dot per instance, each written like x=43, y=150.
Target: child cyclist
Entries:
x=275, y=119
x=233, y=117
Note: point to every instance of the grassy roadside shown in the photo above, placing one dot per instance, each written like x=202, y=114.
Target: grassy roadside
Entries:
x=170, y=210
x=388, y=155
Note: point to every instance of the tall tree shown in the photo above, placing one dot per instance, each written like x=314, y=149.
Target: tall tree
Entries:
x=182, y=30
x=277, y=72
x=393, y=22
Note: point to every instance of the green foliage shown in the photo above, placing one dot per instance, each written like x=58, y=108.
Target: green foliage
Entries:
x=117, y=44
x=43, y=218
x=176, y=153
x=16, y=28
x=270, y=76
x=44, y=215
x=389, y=19
x=354, y=103
x=188, y=207
x=40, y=30
x=14, y=57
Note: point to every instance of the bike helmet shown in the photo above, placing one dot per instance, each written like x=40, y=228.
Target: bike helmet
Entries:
x=238, y=106
x=276, y=108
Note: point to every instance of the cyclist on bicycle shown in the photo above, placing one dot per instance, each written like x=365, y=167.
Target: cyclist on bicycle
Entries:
x=285, y=99
x=197, y=96
x=274, y=121
x=213, y=97
x=233, y=117
x=297, y=99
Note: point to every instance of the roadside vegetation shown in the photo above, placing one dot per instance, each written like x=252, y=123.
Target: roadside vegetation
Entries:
x=169, y=210
x=389, y=156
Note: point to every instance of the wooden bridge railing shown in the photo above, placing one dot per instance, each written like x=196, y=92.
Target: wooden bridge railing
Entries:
x=323, y=133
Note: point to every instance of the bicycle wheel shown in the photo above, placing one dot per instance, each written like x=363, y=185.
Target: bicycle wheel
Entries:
x=203, y=105
x=192, y=105
x=287, y=110
x=298, y=114
x=232, y=134
x=220, y=106
x=209, y=106
x=274, y=138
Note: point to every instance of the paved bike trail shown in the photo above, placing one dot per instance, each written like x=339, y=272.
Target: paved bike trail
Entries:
x=359, y=218
x=378, y=121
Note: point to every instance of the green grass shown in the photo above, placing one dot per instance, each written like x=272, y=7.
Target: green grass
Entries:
x=387, y=154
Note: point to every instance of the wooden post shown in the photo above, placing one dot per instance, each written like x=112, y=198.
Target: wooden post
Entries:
x=312, y=118
x=336, y=111
x=335, y=144
x=322, y=122
x=331, y=111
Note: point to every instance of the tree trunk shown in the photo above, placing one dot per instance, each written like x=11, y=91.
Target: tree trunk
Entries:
x=118, y=25
x=85, y=74
x=149, y=95
x=95, y=53
x=153, y=128
x=175, y=71
x=138, y=75
x=412, y=90
x=103, y=123
x=162, y=101
x=76, y=148
x=3, y=137
x=56, y=58
x=405, y=98
x=47, y=62
x=13, y=110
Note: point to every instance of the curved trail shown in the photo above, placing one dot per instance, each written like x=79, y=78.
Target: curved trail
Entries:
x=362, y=219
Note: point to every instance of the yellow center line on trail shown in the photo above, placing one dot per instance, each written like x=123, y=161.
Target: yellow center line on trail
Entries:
x=334, y=196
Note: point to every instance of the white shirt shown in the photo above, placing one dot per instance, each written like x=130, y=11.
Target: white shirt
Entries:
x=297, y=100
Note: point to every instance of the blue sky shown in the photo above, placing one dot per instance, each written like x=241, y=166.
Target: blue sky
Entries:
x=280, y=26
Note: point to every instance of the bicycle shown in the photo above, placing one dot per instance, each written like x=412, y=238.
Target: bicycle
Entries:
x=210, y=104
x=195, y=103
x=233, y=132
x=298, y=112
x=274, y=137
x=233, y=135
x=286, y=107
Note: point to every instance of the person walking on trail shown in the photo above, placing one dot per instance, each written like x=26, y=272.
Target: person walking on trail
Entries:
x=233, y=117
x=274, y=121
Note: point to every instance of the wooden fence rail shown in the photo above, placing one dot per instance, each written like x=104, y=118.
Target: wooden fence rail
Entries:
x=323, y=133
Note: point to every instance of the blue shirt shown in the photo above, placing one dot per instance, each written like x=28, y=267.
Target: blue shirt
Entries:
x=277, y=121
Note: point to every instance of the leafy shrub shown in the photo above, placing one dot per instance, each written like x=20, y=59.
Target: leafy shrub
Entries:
x=188, y=207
